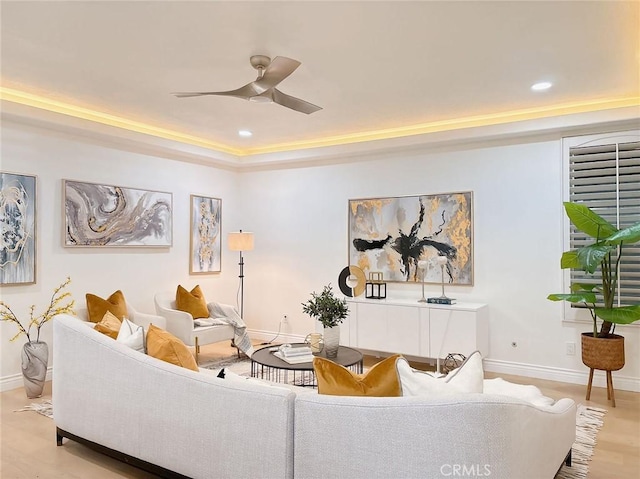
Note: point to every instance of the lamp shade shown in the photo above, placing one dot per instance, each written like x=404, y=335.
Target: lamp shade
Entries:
x=240, y=241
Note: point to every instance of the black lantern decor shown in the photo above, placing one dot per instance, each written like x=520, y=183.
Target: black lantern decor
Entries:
x=375, y=288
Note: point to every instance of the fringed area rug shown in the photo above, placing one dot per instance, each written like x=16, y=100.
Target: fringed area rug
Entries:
x=239, y=365
x=242, y=367
x=45, y=408
x=589, y=420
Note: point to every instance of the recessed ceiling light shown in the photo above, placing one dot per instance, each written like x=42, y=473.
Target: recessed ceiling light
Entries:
x=244, y=133
x=541, y=86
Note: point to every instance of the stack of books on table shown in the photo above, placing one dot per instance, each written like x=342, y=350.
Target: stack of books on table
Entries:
x=295, y=355
x=441, y=300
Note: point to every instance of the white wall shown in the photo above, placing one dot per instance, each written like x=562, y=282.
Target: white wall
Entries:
x=138, y=272
x=299, y=217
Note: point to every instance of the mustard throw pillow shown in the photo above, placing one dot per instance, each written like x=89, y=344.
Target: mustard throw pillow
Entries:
x=110, y=325
x=192, y=302
x=336, y=380
x=165, y=346
x=97, y=307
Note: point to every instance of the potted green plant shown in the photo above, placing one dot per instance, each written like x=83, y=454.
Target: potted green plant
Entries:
x=601, y=349
x=330, y=311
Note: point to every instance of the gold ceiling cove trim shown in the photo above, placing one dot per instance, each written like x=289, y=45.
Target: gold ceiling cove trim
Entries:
x=55, y=106
x=455, y=124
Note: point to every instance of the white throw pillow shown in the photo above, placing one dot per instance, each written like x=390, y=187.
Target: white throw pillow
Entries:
x=525, y=392
x=468, y=378
x=131, y=335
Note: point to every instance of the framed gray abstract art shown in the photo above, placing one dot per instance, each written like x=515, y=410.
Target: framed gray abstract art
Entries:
x=205, y=256
x=391, y=235
x=18, y=229
x=107, y=215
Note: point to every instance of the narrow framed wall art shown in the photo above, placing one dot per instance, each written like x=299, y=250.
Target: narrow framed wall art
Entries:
x=392, y=234
x=18, y=229
x=205, y=244
x=108, y=215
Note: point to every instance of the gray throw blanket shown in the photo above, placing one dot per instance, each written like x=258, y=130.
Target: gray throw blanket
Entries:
x=228, y=314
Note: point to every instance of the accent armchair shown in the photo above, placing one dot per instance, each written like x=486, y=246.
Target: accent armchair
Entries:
x=181, y=324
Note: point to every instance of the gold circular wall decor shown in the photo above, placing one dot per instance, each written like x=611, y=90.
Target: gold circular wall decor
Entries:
x=352, y=273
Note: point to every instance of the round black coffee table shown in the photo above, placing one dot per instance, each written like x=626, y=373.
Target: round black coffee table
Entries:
x=265, y=365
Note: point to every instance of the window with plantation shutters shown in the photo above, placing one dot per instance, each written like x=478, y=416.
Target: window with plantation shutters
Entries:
x=604, y=174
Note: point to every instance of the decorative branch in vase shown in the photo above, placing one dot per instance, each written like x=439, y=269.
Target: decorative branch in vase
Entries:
x=35, y=354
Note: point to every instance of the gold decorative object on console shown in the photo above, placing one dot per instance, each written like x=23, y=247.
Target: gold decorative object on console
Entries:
x=351, y=281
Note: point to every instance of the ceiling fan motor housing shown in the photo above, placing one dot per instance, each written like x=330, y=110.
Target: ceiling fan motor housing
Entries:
x=260, y=62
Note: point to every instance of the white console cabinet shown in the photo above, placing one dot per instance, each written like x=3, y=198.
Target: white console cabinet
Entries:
x=416, y=329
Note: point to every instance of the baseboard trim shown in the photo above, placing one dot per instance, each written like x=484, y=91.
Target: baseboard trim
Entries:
x=620, y=382
x=271, y=337
x=14, y=381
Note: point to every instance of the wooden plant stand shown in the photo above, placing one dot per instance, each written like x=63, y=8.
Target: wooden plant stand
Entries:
x=610, y=391
x=604, y=354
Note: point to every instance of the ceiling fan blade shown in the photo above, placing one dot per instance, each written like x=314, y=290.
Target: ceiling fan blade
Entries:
x=279, y=69
x=245, y=92
x=293, y=102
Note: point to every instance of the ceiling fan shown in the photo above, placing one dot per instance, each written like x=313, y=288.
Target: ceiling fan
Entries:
x=263, y=89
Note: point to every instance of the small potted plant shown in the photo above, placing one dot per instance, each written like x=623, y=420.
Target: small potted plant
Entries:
x=601, y=349
x=330, y=311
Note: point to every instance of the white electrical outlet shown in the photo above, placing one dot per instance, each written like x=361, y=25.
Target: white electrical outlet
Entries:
x=571, y=348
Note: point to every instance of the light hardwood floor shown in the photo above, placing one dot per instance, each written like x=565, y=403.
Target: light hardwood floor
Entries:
x=28, y=447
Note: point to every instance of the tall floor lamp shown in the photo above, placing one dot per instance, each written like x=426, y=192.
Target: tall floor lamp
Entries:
x=241, y=241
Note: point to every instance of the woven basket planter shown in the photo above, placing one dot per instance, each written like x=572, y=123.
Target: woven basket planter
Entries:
x=606, y=354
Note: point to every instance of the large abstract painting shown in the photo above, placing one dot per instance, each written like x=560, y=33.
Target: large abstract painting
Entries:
x=105, y=215
x=205, y=235
x=391, y=235
x=18, y=228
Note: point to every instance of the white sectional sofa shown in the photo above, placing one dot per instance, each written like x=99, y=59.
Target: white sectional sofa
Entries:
x=180, y=423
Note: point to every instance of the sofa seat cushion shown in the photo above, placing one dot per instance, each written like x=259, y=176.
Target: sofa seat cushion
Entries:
x=165, y=346
x=468, y=378
x=336, y=380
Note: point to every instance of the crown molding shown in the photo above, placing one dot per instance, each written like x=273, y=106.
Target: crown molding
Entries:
x=554, y=121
